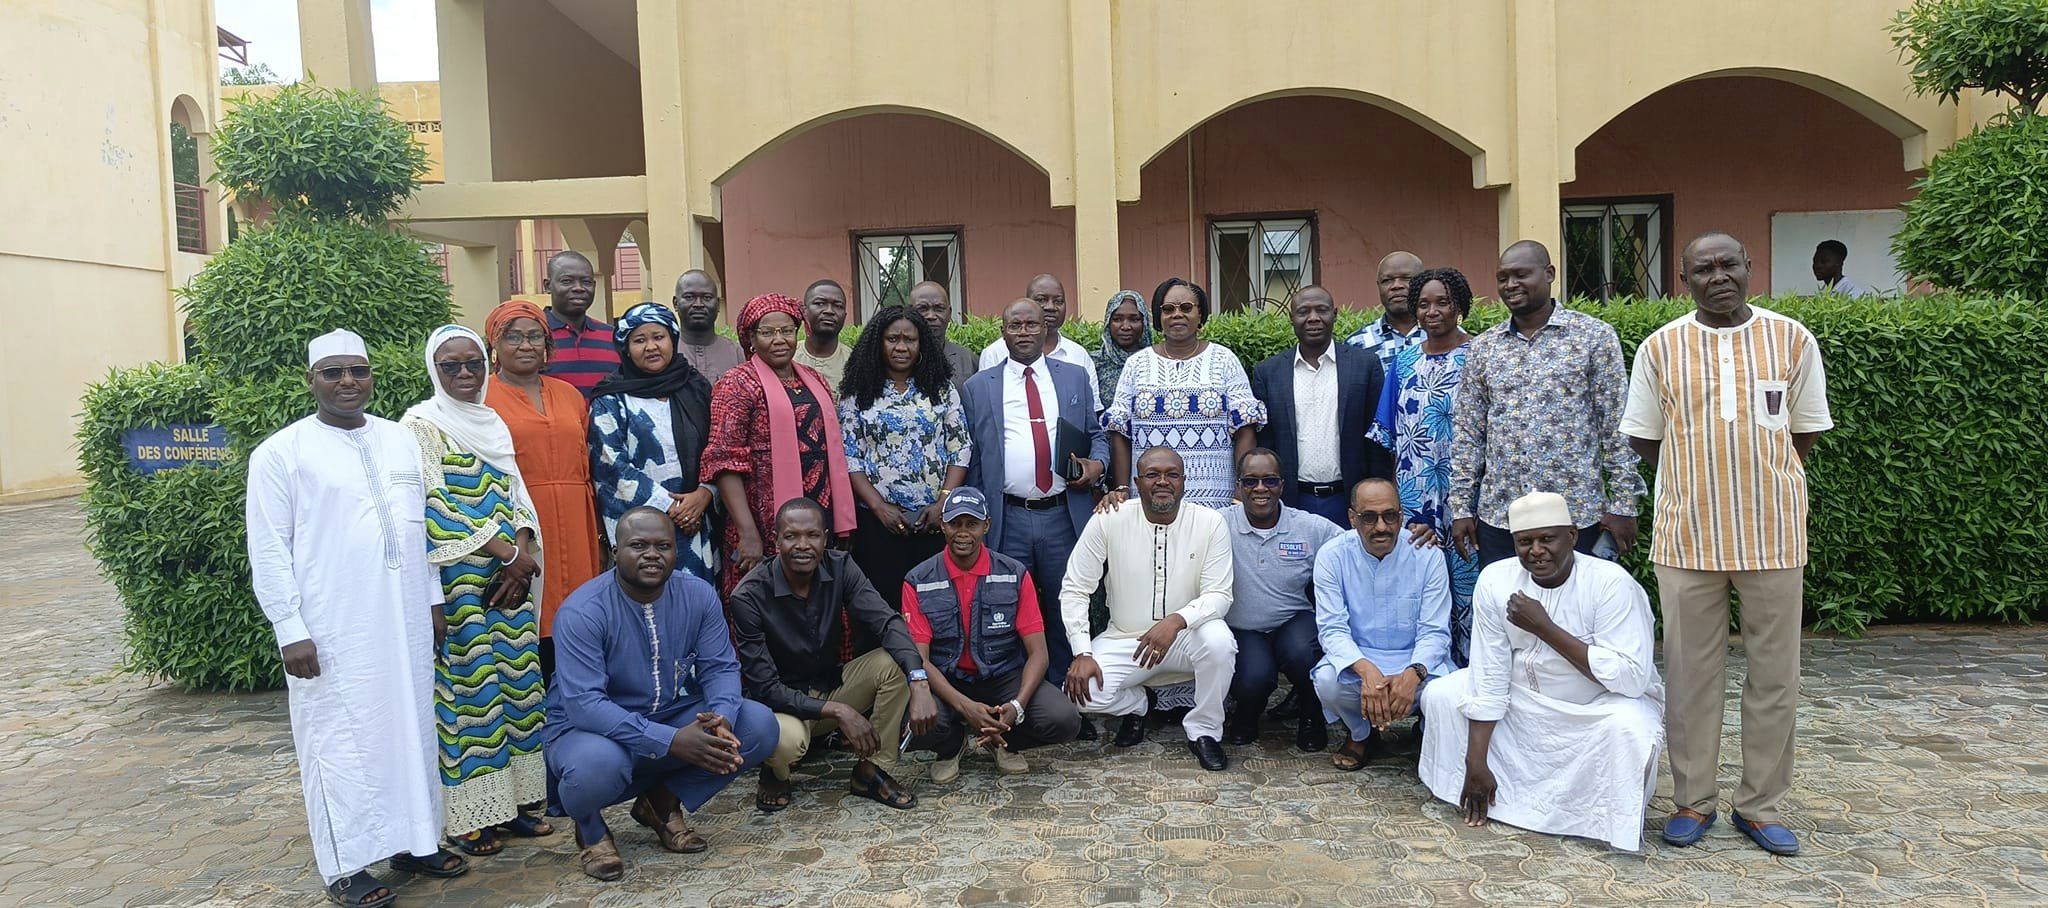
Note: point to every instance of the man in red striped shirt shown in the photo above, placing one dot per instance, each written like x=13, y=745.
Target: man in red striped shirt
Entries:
x=583, y=350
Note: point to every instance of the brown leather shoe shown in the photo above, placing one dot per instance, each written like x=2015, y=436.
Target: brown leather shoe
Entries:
x=601, y=861
x=673, y=829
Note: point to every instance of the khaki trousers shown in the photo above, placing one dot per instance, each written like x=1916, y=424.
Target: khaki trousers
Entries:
x=1695, y=607
x=872, y=683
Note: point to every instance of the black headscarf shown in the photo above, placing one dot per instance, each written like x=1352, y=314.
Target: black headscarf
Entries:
x=687, y=393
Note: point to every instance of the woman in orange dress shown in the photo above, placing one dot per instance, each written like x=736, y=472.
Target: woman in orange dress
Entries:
x=549, y=422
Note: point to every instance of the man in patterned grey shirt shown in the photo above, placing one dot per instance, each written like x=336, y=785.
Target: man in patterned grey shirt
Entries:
x=1539, y=409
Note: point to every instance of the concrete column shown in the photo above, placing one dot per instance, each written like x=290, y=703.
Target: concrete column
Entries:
x=1529, y=207
x=465, y=92
x=1098, y=260
x=474, y=282
x=335, y=45
x=674, y=240
x=529, y=258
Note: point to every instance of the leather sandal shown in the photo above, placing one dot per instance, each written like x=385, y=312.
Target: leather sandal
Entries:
x=602, y=861
x=674, y=830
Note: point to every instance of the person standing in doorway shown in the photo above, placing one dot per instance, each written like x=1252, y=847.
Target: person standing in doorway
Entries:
x=1828, y=258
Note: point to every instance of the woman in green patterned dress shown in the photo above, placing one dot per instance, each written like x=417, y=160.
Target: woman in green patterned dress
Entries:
x=484, y=537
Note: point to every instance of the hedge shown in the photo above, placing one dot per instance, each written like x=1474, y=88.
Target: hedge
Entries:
x=1925, y=496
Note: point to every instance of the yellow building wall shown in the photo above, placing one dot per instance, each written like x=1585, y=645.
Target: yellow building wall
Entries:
x=87, y=252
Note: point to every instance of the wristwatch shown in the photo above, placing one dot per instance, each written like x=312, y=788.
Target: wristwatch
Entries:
x=918, y=674
x=1421, y=674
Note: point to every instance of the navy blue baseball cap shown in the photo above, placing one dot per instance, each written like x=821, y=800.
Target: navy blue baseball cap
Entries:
x=966, y=501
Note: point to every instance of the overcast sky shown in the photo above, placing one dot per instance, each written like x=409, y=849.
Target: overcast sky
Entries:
x=404, y=31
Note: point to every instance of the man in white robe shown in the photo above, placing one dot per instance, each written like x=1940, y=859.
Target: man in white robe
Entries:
x=337, y=545
x=1556, y=725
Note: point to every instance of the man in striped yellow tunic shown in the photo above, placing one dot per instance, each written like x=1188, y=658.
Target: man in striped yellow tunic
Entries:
x=1727, y=401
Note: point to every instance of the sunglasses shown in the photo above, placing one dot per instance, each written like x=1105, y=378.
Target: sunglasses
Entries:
x=1370, y=518
x=453, y=368
x=1260, y=482
x=334, y=373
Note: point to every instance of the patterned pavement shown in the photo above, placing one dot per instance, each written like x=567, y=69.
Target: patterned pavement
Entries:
x=1922, y=781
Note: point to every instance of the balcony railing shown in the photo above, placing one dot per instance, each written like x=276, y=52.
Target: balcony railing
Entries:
x=190, y=203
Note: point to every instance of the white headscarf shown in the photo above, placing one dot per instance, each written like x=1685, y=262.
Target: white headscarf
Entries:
x=476, y=428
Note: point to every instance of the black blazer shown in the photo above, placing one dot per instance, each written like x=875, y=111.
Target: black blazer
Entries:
x=1359, y=382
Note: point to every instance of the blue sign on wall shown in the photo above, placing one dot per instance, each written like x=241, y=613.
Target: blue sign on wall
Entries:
x=154, y=448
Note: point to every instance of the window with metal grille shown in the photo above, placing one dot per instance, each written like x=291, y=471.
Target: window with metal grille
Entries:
x=892, y=263
x=1257, y=262
x=1617, y=248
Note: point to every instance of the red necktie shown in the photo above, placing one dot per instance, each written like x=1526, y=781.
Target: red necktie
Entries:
x=1041, y=446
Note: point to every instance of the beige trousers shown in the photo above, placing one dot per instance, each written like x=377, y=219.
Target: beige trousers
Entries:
x=1695, y=605
x=872, y=681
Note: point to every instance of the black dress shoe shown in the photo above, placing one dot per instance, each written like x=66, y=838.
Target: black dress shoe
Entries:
x=1288, y=705
x=1130, y=732
x=1312, y=735
x=1087, y=732
x=1209, y=753
x=1242, y=728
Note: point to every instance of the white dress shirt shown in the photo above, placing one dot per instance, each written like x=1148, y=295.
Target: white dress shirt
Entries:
x=1315, y=417
x=1067, y=352
x=1020, y=463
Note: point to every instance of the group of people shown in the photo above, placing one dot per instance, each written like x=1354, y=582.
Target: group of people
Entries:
x=915, y=546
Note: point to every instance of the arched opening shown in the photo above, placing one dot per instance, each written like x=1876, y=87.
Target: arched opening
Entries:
x=189, y=162
x=1289, y=190
x=1779, y=165
x=881, y=201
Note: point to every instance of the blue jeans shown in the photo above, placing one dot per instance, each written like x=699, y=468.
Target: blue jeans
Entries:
x=1335, y=506
x=589, y=772
x=1041, y=541
x=1339, y=690
x=1262, y=656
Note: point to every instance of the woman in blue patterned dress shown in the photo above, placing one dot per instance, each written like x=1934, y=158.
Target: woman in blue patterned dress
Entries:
x=483, y=534
x=1415, y=423
x=649, y=424
x=906, y=444
x=1187, y=394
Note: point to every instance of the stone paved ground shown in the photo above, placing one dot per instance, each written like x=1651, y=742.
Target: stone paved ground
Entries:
x=1922, y=780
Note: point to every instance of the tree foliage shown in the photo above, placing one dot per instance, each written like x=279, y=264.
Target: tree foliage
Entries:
x=255, y=74
x=1994, y=46
x=311, y=150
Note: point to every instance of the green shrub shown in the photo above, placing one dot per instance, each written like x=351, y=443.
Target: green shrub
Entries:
x=174, y=543
x=1994, y=46
x=1924, y=502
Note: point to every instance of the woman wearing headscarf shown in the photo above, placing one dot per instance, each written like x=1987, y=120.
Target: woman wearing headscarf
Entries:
x=549, y=422
x=906, y=444
x=649, y=424
x=775, y=436
x=1125, y=331
x=484, y=537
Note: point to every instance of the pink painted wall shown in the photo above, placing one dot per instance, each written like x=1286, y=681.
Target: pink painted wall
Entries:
x=1375, y=181
x=790, y=214
x=1732, y=151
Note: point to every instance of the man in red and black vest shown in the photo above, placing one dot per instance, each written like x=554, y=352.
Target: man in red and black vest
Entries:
x=974, y=615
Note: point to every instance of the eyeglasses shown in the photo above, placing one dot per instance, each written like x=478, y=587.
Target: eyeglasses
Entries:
x=453, y=368
x=1370, y=518
x=1260, y=482
x=530, y=339
x=334, y=373
x=788, y=333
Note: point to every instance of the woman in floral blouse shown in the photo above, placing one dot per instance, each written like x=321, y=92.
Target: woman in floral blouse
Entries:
x=906, y=444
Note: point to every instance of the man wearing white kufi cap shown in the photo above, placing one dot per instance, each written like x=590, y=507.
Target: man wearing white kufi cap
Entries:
x=338, y=549
x=1557, y=724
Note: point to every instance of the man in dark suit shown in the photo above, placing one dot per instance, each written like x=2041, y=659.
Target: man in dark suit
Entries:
x=1032, y=420
x=1320, y=399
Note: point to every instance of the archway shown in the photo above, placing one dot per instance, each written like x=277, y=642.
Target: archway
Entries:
x=1779, y=165
x=191, y=161
x=1268, y=195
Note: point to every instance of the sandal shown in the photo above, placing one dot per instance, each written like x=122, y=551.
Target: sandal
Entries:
x=601, y=861
x=674, y=831
x=1349, y=758
x=882, y=789
x=773, y=793
x=442, y=864
x=360, y=891
x=481, y=843
x=526, y=826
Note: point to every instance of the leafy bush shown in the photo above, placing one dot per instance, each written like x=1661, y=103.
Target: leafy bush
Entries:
x=1924, y=494
x=174, y=543
x=1995, y=46
x=311, y=150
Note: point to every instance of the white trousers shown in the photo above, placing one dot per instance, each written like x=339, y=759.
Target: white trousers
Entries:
x=1208, y=651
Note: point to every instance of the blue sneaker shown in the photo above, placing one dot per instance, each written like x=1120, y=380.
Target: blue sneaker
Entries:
x=1687, y=826
x=1773, y=837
